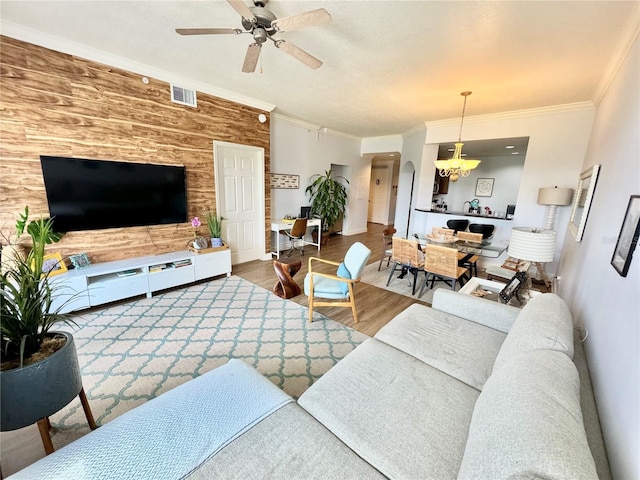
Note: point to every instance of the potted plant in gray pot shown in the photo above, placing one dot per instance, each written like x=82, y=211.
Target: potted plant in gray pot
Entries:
x=328, y=200
x=214, y=224
x=40, y=372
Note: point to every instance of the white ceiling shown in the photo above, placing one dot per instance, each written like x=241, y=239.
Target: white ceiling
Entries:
x=388, y=65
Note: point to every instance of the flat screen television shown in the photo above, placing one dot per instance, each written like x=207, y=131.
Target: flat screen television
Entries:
x=96, y=194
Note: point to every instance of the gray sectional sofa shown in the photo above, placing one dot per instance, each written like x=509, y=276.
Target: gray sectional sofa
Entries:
x=466, y=389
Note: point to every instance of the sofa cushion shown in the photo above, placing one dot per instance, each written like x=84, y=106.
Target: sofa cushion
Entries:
x=407, y=419
x=544, y=324
x=465, y=350
x=527, y=422
x=288, y=444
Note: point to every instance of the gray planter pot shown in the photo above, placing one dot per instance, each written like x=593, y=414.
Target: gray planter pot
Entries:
x=41, y=389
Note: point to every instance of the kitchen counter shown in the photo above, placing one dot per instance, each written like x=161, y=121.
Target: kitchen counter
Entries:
x=462, y=214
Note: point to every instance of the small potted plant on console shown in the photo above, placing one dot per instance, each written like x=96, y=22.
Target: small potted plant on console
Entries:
x=214, y=224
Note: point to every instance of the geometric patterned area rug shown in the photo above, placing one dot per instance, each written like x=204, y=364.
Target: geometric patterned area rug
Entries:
x=130, y=353
x=403, y=286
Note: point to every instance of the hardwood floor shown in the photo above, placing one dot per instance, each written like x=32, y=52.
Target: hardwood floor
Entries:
x=376, y=306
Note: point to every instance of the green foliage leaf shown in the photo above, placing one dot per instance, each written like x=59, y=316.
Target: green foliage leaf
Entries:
x=328, y=198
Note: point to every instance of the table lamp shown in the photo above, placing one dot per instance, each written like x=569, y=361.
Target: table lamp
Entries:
x=533, y=245
x=554, y=197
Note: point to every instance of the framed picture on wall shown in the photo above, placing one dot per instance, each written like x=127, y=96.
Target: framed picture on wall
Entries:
x=628, y=237
x=484, y=187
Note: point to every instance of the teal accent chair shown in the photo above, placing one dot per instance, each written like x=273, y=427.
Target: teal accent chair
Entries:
x=337, y=288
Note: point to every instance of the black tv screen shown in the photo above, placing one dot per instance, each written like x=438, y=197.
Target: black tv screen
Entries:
x=95, y=194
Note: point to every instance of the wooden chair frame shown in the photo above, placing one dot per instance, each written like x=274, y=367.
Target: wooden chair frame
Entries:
x=387, y=236
x=297, y=232
x=442, y=263
x=405, y=256
x=350, y=302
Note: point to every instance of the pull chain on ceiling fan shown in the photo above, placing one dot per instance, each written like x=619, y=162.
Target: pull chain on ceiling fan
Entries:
x=262, y=24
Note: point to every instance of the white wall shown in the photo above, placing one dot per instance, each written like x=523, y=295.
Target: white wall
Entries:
x=507, y=174
x=605, y=303
x=303, y=149
x=410, y=163
x=558, y=138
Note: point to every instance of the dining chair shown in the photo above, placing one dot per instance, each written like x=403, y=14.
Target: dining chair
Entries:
x=468, y=260
x=406, y=256
x=297, y=232
x=447, y=232
x=336, y=288
x=387, y=235
x=441, y=263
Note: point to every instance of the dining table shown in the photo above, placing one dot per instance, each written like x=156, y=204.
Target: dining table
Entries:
x=483, y=249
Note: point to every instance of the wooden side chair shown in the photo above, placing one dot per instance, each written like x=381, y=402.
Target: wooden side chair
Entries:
x=387, y=235
x=407, y=256
x=470, y=262
x=297, y=232
x=338, y=287
x=441, y=263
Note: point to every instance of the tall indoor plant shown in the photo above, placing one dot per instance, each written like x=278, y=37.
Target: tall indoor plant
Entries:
x=40, y=372
x=328, y=199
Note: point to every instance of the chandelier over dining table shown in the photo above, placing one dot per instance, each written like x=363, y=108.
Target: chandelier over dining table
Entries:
x=457, y=167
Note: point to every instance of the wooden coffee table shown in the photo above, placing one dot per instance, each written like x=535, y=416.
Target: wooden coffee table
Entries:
x=286, y=268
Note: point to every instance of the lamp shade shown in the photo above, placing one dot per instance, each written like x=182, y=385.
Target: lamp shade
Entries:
x=532, y=245
x=555, y=196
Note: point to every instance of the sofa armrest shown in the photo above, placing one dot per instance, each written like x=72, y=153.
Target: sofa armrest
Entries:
x=485, y=312
x=170, y=435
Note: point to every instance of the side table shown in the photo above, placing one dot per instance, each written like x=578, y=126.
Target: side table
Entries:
x=285, y=269
x=494, y=288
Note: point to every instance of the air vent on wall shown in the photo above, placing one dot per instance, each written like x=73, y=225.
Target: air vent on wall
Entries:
x=183, y=96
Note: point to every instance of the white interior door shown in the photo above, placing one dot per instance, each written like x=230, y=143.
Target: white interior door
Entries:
x=239, y=171
x=379, y=194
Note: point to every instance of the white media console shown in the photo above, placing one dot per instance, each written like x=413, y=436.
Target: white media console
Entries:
x=106, y=282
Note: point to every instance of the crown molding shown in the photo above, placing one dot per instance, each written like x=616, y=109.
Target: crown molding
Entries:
x=531, y=112
x=313, y=126
x=417, y=129
x=35, y=37
x=631, y=32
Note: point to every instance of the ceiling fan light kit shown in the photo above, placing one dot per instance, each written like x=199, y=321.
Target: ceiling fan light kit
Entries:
x=457, y=167
x=262, y=24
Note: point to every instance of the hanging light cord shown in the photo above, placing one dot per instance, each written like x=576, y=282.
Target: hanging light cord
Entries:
x=464, y=107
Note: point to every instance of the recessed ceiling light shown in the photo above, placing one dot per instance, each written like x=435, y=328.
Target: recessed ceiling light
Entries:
x=450, y=150
x=515, y=153
x=510, y=146
x=463, y=154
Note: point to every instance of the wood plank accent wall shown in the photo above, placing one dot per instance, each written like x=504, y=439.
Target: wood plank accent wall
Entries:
x=61, y=105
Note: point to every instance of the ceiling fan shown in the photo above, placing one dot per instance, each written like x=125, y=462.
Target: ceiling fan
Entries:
x=262, y=24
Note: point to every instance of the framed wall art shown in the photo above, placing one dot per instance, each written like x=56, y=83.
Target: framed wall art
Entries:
x=582, y=201
x=283, y=180
x=484, y=187
x=628, y=238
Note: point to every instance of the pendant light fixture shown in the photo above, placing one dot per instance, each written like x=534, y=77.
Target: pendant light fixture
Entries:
x=457, y=167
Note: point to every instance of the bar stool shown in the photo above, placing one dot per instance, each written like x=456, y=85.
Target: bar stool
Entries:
x=484, y=228
x=458, y=225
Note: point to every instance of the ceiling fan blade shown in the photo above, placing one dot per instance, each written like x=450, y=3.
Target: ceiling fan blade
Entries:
x=302, y=20
x=242, y=9
x=299, y=54
x=208, y=31
x=251, y=58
